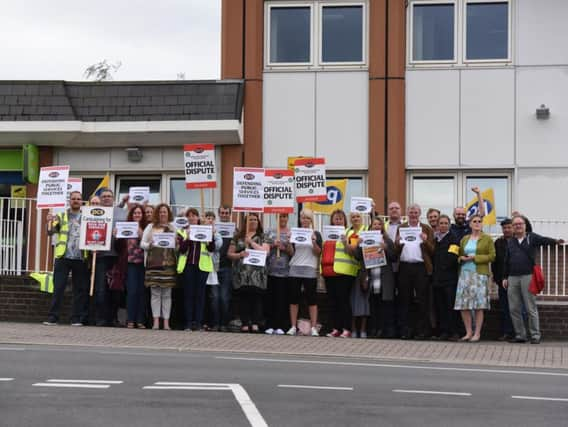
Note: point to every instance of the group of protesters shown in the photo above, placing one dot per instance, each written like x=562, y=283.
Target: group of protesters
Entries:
x=436, y=287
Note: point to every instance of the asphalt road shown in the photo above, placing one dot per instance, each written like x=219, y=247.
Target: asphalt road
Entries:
x=61, y=386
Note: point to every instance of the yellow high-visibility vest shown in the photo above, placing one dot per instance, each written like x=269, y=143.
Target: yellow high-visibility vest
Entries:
x=63, y=236
x=205, y=261
x=343, y=263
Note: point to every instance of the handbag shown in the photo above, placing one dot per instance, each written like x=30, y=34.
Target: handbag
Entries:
x=537, y=280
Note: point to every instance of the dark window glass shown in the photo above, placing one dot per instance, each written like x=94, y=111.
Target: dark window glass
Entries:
x=342, y=34
x=433, y=32
x=290, y=34
x=487, y=31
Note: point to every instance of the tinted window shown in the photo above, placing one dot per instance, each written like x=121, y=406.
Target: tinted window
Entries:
x=342, y=34
x=433, y=32
x=487, y=31
x=290, y=34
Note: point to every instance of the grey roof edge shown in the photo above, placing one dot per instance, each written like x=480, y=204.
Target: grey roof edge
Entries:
x=122, y=82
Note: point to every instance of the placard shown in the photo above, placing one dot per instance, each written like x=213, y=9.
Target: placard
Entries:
x=255, y=257
x=370, y=238
x=199, y=165
x=201, y=233
x=180, y=222
x=226, y=229
x=126, y=229
x=332, y=232
x=248, y=189
x=278, y=191
x=52, y=187
x=301, y=236
x=164, y=240
x=73, y=184
x=309, y=174
x=138, y=195
x=374, y=256
x=410, y=234
x=361, y=204
x=96, y=228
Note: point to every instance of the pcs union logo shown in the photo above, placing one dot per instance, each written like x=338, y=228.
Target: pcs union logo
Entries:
x=97, y=212
x=53, y=174
x=248, y=176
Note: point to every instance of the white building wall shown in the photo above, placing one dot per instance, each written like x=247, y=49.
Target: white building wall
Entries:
x=316, y=114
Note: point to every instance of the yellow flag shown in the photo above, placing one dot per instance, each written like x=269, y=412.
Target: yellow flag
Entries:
x=105, y=183
x=490, y=217
x=45, y=281
x=335, y=197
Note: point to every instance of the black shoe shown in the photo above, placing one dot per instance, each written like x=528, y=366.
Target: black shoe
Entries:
x=420, y=337
x=518, y=340
x=535, y=340
x=404, y=337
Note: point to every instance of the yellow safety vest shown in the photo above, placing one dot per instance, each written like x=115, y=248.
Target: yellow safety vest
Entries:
x=343, y=263
x=205, y=261
x=63, y=236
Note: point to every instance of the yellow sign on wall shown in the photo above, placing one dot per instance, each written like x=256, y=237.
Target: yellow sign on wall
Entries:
x=18, y=192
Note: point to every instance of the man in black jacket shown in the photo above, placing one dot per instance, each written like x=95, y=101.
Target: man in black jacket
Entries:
x=519, y=262
x=498, y=270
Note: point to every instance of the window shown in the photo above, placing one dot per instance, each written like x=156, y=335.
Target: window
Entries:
x=435, y=192
x=124, y=184
x=342, y=34
x=181, y=198
x=433, y=32
x=487, y=31
x=500, y=186
x=290, y=31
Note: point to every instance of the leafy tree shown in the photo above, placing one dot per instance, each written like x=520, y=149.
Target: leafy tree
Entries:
x=102, y=71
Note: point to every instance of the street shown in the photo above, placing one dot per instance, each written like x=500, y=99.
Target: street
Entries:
x=67, y=386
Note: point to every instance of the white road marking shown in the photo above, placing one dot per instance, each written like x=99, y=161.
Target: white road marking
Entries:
x=66, y=385
x=386, y=365
x=315, y=387
x=6, y=379
x=250, y=410
x=12, y=348
x=445, y=393
x=553, y=399
x=85, y=381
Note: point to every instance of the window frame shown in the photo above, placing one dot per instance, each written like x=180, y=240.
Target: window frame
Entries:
x=465, y=3
x=410, y=33
x=364, y=35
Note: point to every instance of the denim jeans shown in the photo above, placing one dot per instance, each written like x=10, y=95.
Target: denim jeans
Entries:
x=79, y=277
x=221, y=297
x=135, y=293
x=506, y=323
x=194, y=295
x=103, y=312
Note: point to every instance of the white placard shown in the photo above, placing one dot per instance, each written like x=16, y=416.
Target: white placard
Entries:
x=164, y=240
x=73, y=184
x=309, y=175
x=226, y=229
x=52, y=187
x=256, y=258
x=279, y=191
x=199, y=165
x=301, y=236
x=127, y=229
x=248, y=189
x=138, y=195
x=370, y=238
x=410, y=234
x=333, y=232
x=96, y=228
x=180, y=222
x=201, y=233
x=361, y=204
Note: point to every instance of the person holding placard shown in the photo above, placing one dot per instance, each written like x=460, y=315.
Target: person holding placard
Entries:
x=278, y=311
x=149, y=213
x=160, y=274
x=222, y=295
x=415, y=246
x=249, y=280
x=194, y=264
x=134, y=254
x=339, y=269
x=213, y=309
x=69, y=258
x=304, y=266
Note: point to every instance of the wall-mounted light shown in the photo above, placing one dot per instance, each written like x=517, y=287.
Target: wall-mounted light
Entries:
x=542, y=112
x=134, y=154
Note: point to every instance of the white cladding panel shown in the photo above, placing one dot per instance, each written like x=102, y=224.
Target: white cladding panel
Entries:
x=84, y=160
x=542, y=142
x=342, y=124
x=542, y=32
x=151, y=159
x=487, y=117
x=288, y=114
x=432, y=118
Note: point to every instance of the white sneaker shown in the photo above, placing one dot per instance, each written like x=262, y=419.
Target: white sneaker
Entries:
x=76, y=324
x=292, y=331
x=363, y=335
x=278, y=332
x=269, y=331
x=314, y=332
x=48, y=323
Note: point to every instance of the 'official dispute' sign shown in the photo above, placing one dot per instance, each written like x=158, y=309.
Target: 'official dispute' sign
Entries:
x=199, y=165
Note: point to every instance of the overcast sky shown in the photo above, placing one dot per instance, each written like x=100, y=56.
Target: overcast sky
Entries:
x=154, y=39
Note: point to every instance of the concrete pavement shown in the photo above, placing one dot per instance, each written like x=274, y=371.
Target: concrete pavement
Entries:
x=490, y=353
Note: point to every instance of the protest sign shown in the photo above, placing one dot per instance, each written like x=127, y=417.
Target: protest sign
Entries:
x=361, y=204
x=226, y=229
x=301, y=236
x=256, y=258
x=248, y=189
x=201, y=233
x=199, y=165
x=278, y=191
x=164, y=240
x=309, y=175
x=52, y=187
x=138, y=195
x=332, y=232
x=96, y=228
x=410, y=234
x=180, y=222
x=374, y=256
x=126, y=229
x=370, y=238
